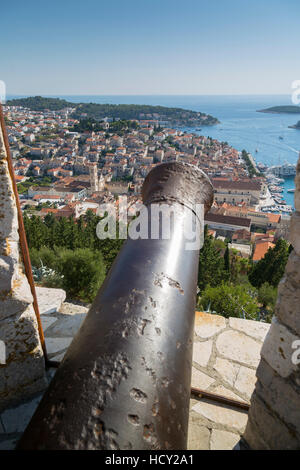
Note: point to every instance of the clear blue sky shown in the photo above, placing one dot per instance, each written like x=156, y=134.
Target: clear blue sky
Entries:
x=149, y=46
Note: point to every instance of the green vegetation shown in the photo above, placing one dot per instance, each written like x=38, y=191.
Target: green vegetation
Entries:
x=211, y=264
x=43, y=181
x=271, y=267
x=287, y=109
x=224, y=280
x=39, y=103
x=80, y=272
x=97, y=112
x=250, y=167
x=55, y=243
x=231, y=300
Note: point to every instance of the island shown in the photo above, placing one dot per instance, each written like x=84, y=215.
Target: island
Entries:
x=296, y=126
x=162, y=114
x=287, y=109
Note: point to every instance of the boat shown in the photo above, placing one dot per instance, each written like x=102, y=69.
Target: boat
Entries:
x=280, y=137
x=256, y=150
x=291, y=190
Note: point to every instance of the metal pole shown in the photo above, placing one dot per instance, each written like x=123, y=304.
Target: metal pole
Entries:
x=125, y=380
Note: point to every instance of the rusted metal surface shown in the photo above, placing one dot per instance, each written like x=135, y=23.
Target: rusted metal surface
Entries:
x=22, y=235
x=125, y=380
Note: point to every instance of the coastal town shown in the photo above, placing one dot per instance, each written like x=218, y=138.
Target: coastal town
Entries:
x=67, y=166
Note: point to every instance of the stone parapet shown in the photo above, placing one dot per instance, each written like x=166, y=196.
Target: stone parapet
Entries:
x=22, y=369
x=274, y=416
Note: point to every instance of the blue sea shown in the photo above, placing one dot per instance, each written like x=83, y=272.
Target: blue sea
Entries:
x=240, y=123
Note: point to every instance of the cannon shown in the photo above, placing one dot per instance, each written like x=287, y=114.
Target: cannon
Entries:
x=124, y=382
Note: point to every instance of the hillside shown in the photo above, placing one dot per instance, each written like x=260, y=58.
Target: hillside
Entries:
x=281, y=110
x=296, y=126
x=173, y=116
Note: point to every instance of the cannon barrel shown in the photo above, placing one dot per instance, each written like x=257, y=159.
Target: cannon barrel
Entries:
x=125, y=380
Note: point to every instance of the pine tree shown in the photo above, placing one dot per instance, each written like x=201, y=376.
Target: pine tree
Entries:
x=271, y=267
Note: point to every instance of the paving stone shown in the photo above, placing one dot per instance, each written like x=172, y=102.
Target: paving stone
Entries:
x=16, y=419
x=56, y=345
x=202, y=352
x=228, y=370
x=223, y=440
x=207, y=325
x=201, y=380
x=49, y=300
x=245, y=381
x=67, y=325
x=256, y=329
x=198, y=435
x=59, y=357
x=238, y=347
x=221, y=414
x=277, y=349
x=220, y=390
x=47, y=321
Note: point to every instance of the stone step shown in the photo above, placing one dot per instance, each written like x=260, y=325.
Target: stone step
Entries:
x=49, y=300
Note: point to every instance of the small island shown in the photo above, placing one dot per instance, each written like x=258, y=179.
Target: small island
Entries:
x=165, y=115
x=287, y=109
x=296, y=126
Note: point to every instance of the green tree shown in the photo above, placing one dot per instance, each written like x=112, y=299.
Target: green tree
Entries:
x=271, y=267
x=267, y=295
x=211, y=264
x=83, y=273
x=227, y=259
x=231, y=300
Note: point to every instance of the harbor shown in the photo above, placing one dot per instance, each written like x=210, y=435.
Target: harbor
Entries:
x=280, y=193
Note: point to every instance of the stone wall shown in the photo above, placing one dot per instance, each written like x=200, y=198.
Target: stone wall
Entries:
x=274, y=416
x=22, y=368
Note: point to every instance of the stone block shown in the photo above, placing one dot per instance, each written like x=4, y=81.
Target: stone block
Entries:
x=288, y=304
x=16, y=419
x=198, y=435
x=207, y=325
x=269, y=429
x=277, y=349
x=245, y=381
x=236, y=346
x=292, y=269
x=221, y=414
x=295, y=231
x=17, y=300
x=257, y=330
x=49, y=300
x=281, y=396
x=201, y=380
x=66, y=325
x=57, y=345
x=220, y=390
x=202, y=352
x=227, y=369
x=223, y=440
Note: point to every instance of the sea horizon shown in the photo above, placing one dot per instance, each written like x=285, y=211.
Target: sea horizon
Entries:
x=266, y=136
